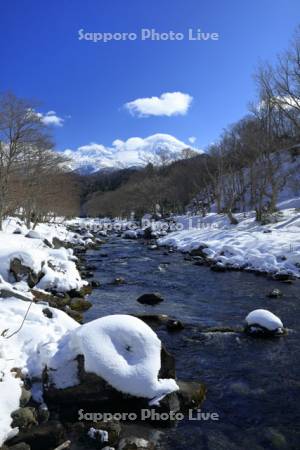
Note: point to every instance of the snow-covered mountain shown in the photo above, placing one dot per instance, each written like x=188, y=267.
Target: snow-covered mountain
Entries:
x=134, y=152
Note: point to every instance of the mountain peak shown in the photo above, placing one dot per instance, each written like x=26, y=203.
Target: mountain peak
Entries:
x=156, y=149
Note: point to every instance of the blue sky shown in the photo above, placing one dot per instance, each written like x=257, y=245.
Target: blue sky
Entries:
x=87, y=84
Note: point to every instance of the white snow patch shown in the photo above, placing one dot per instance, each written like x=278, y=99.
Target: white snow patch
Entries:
x=265, y=319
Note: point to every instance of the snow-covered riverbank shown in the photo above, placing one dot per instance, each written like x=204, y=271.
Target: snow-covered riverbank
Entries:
x=272, y=248
x=35, y=267
x=31, y=259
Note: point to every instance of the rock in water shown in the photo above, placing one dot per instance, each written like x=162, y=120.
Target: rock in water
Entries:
x=275, y=293
x=174, y=325
x=263, y=322
x=150, y=299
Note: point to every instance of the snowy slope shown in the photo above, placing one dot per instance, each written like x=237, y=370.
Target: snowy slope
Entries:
x=274, y=248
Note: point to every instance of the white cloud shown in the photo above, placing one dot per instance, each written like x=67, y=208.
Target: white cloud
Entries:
x=192, y=139
x=168, y=104
x=135, y=151
x=51, y=118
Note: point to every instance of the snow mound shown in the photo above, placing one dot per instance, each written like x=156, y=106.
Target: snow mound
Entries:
x=265, y=319
x=129, y=234
x=29, y=349
x=121, y=349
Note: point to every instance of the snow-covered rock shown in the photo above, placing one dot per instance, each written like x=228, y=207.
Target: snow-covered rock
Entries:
x=29, y=260
x=32, y=234
x=129, y=234
x=264, y=319
x=122, y=350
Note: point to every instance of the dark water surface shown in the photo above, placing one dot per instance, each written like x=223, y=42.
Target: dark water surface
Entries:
x=253, y=384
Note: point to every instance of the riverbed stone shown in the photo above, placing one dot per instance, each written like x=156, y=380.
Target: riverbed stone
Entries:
x=76, y=315
x=174, y=325
x=25, y=396
x=43, y=436
x=85, y=290
x=24, y=418
x=80, y=304
x=20, y=271
x=118, y=281
x=150, y=299
x=134, y=443
x=199, y=251
x=95, y=283
x=20, y=446
x=257, y=330
x=153, y=319
x=48, y=313
x=191, y=394
x=283, y=277
x=275, y=293
x=218, y=268
x=113, y=428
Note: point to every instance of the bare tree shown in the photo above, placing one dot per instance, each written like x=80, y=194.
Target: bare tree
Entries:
x=20, y=130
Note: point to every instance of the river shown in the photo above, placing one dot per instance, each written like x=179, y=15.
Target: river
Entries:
x=253, y=384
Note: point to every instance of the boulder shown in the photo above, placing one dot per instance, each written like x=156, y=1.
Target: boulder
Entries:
x=47, y=243
x=113, y=429
x=21, y=272
x=263, y=323
x=85, y=290
x=18, y=230
x=150, y=299
x=24, y=418
x=57, y=243
x=25, y=397
x=218, y=267
x=147, y=233
x=153, y=319
x=199, y=251
x=95, y=283
x=174, y=325
x=20, y=446
x=283, y=277
x=119, y=280
x=191, y=394
x=48, y=313
x=93, y=393
x=76, y=315
x=134, y=443
x=275, y=293
x=43, y=436
x=32, y=234
x=80, y=304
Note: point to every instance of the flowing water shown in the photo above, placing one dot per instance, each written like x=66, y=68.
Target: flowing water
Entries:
x=253, y=384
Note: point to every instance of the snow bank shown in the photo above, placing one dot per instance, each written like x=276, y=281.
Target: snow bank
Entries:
x=121, y=349
x=265, y=319
x=30, y=349
x=57, y=267
x=273, y=248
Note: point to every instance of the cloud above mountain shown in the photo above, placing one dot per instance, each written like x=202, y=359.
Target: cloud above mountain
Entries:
x=134, y=151
x=168, y=104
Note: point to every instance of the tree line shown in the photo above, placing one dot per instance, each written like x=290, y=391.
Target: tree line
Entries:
x=245, y=169
x=35, y=182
